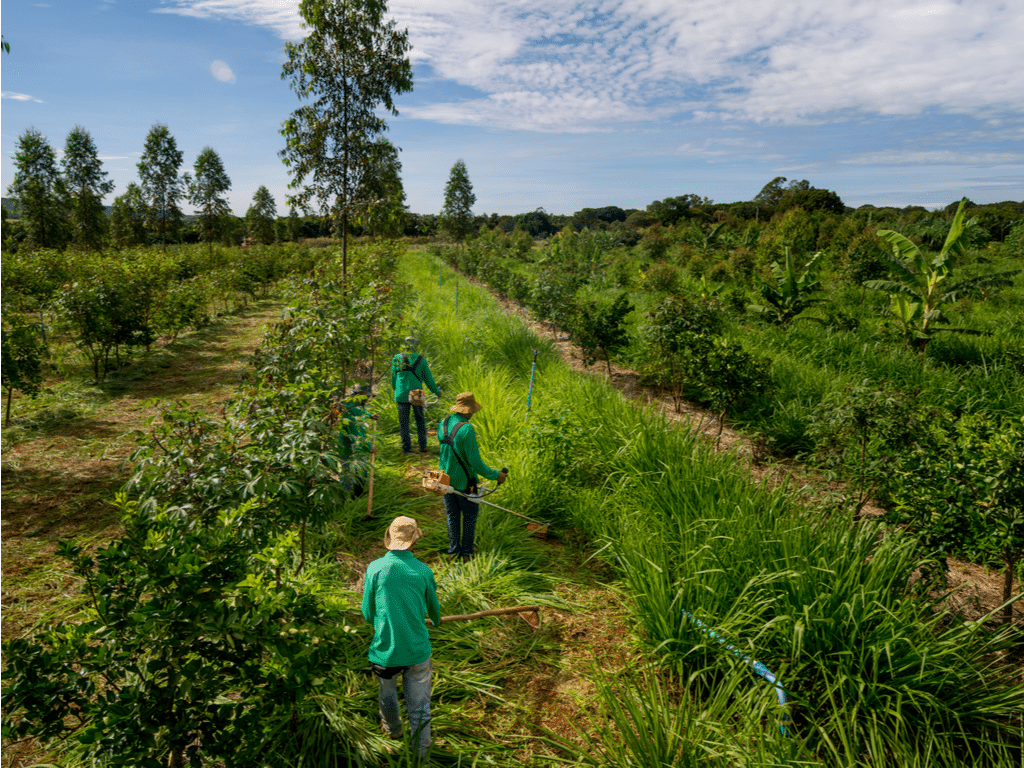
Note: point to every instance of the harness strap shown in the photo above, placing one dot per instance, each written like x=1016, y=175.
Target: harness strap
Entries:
x=448, y=438
x=414, y=366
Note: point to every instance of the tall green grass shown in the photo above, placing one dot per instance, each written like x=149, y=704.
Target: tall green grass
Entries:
x=877, y=672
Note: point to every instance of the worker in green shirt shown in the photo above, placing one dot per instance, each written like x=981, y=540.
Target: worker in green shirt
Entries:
x=398, y=591
x=410, y=371
x=460, y=460
x=353, y=447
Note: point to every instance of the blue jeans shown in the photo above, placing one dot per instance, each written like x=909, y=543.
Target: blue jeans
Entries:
x=403, y=426
x=416, y=682
x=461, y=514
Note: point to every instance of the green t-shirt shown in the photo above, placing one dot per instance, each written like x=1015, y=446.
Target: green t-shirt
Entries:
x=402, y=380
x=468, y=450
x=397, y=592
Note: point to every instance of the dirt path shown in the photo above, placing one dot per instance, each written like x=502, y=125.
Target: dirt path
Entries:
x=59, y=482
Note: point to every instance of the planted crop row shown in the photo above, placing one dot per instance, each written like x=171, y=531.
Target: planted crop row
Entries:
x=876, y=672
x=874, y=398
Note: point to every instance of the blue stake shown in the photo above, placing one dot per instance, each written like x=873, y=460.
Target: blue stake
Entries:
x=456, y=297
x=758, y=667
x=529, y=396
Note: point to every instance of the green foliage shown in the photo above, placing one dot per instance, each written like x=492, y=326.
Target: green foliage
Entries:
x=204, y=192
x=128, y=218
x=731, y=376
x=860, y=430
x=786, y=291
x=349, y=66
x=457, y=212
x=921, y=288
x=182, y=614
x=260, y=218
x=385, y=213
x=161, y=186
x=86, y=185
x=600, y=328
x=39, y=189
x=961, y=488
x=661, y=277
x=108, y=313
x=22, y=367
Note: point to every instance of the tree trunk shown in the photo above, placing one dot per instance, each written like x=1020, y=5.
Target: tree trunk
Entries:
x=7, y=414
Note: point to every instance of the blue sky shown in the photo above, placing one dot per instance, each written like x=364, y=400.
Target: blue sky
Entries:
x=561, y=104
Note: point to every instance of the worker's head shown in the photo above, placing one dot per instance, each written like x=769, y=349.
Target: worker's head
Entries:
x=411, y=342
x=360, y=391
x=402, y=533
x=465, y=404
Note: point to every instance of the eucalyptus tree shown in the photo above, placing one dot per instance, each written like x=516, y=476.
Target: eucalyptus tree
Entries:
x=161, y=185
x=457, y=213
x=86, y=184
x=261, y=217
x=204, y=192
x=38, y=187
x=349, y=67
x=385, y=212
x=128, y=218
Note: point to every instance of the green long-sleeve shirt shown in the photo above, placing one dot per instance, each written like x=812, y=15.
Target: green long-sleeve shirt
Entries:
x=397, y=592
x=468, y=450
x=402, y=381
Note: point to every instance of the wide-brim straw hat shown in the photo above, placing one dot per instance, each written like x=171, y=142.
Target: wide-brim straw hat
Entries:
x=402, y=533
x=465, y=404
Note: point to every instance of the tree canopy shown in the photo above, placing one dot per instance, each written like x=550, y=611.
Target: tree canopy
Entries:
x=457, y=213
x=39, y=189
x=161, y=186
x=204, y=192
x=350, y=65
x=86, y=184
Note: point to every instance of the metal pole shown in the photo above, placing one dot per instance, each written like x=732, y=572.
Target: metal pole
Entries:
x=529, y=396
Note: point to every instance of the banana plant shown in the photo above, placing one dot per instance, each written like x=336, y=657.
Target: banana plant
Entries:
x=921, y=288
x=788, y=292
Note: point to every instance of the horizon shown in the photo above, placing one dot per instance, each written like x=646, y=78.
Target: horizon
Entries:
x=559, y=107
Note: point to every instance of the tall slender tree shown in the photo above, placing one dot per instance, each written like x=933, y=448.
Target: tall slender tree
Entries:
x=161, y=185
x=204, y=192
x=261, y=217
x=350, y=66
x=39, y=189
x=385, y=211
x=86, y=185
x=457, y=213
x=128, y=218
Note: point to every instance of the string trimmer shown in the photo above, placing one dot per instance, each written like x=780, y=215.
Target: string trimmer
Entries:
x=437, y=482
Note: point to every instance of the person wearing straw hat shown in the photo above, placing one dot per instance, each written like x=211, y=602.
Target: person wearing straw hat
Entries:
x=397, y=591
x=460, y=460
x=410, y=371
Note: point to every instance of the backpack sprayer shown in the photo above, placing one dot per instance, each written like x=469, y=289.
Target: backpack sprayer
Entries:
x=437, y=482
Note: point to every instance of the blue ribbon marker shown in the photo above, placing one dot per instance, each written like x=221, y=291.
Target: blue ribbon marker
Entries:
x=759, y=668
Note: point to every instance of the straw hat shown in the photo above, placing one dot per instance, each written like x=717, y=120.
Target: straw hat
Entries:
x=465, y=404
x=402, y=533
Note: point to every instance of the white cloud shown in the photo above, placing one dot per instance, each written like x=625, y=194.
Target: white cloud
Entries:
x=561, y=65
x=20, y=97
x=222, y=71
x=935, y=157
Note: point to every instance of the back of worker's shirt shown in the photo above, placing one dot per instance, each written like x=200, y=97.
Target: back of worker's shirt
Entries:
x=397, y=592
